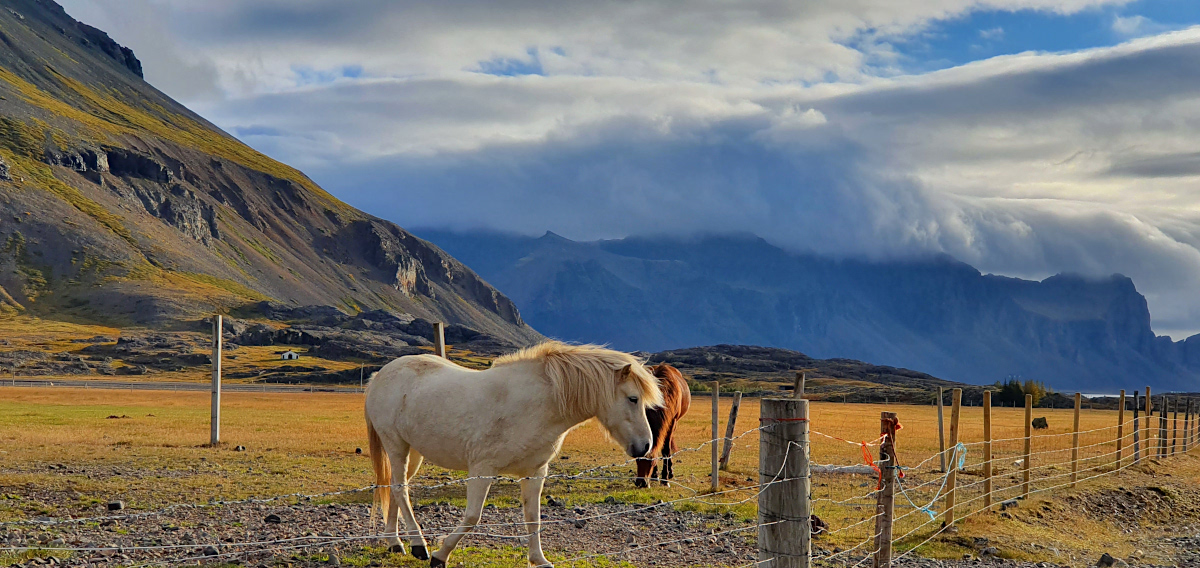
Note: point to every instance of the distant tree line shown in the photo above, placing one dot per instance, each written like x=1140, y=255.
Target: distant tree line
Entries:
x=1012, y=392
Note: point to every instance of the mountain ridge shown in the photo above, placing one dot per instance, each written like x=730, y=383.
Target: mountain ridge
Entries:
x=935, y=314
x=120, y=205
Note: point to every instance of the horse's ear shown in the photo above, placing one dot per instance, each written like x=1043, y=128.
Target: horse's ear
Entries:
x=626, y=370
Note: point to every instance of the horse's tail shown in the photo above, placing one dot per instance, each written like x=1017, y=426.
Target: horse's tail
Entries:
x=383, y=472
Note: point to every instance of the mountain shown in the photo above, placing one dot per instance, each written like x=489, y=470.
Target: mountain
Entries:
x=119, y=205
x=938, y=315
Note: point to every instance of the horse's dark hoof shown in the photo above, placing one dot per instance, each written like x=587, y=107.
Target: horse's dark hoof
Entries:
x=665, y=482
x=396, y=549
x=419, y=552
x=434, y=562
x=640, y=482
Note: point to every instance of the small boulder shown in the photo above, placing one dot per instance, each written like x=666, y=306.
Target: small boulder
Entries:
x=1040, y=423
x=334, y=560
x=211, y=550
x=1009, y=504
x=116, y=505
x=273, y=519
x=990, y=551
x=553, y=501
x=1106, y=560
x=580, y=523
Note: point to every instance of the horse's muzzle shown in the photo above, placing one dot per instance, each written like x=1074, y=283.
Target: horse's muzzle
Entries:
x=639, y=449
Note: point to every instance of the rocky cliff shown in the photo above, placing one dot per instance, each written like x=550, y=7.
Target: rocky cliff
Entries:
x=937, y=315
x=117, y=204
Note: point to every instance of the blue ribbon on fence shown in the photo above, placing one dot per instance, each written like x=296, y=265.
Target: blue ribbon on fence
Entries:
x=960, y=450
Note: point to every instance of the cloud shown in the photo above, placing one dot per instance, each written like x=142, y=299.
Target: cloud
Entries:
x=991, y=34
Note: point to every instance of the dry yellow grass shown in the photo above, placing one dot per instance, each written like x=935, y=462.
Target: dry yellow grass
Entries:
x=306, y=443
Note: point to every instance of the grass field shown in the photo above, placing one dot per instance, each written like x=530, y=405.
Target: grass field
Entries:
x=306, y=443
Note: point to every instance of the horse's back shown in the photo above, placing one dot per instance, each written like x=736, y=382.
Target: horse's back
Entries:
x=677, y=398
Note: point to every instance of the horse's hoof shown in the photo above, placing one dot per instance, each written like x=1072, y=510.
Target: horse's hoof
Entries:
x=665, y=482
x=640, y=483
x=396, y=549
x=434, y=562
x=419, y=552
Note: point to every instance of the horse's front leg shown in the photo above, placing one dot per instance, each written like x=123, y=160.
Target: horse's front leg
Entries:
x=477, y=490
x=531, y=500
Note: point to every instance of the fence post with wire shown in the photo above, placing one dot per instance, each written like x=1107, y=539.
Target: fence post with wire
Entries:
x=886, y=504
x=784, y=509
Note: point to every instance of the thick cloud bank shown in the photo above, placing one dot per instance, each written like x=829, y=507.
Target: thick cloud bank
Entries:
x=798, y=124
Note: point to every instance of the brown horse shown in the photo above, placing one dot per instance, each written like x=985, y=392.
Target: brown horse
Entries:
x=676, y=400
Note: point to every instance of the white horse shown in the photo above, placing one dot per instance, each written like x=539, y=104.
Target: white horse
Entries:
x=510, y=419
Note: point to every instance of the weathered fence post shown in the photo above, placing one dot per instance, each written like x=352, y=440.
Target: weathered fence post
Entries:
x=1187, y=426
x=1149, y=419
x=733, y=413
x=214, y=437
x=716, y=424
x=1175, y=426
x=987, y=450
x=1162, y=428
x=941, y=433
x=439, y=339
x=798, y=386
x=1120, y=426
x=1028, y=445
x=952, y=476
x=886, y=505
x=784, y=509
x=1075, y=443
x=1137, y=430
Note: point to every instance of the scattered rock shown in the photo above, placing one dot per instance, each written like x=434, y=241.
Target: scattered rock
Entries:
x=990, y=551
x=1106, y=560
x=334, y=560
x=1009, y=504
x=580, y=523
x=554, y=501
x=1040, y=423
x=211, y=550
x=273, y=519
x=116, y=505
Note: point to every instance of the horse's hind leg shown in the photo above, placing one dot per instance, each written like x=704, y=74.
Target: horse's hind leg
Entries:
x=477, y=490
x=416, y=540
x=531, y=501
x=669, y=449
x=399, y=459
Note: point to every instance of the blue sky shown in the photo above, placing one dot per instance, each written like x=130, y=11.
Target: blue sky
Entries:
x=1025, y=137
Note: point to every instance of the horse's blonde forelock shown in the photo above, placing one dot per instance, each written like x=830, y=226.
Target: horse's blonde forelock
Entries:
x=582, y=375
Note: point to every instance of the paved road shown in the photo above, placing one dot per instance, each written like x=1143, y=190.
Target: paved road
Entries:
x=164, y=385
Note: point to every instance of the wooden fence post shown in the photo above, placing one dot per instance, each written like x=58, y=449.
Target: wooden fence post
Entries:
x=439, y=339
x=952, y=476
x=214, y=421
x=1175, y=426
x=798, y=386
x=1162, y=428
x=1149, y=419
x=1187, y=426
x=1120, y=427
x=784, y=509
x=941, y=433
x=733, y=413
x=1028, y=445
x=1137, y=431
x=987, y=450
x=1075, y=443
x=716, y=420
x=886, y=505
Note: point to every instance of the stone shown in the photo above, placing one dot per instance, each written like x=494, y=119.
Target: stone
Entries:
x=990, y=551
x=554, y=501
x=580, y=523
x=334, y=560
x=273, y=519
x=1009, y=504
x=1040, y=423
x=211, y=550
x=4, y=175
x=1106, y=560
x=116, y=505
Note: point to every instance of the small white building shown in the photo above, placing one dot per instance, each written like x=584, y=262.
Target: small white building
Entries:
x=290, y=356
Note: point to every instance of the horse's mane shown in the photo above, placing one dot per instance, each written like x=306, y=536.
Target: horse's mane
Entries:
x=582, y=375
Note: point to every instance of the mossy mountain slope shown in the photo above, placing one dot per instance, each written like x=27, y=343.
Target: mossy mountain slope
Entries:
x=119, y=205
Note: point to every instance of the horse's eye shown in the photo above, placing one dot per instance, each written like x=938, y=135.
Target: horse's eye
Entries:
x=633, y=399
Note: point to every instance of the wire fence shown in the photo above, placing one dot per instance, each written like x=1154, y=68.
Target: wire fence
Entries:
x=845, y=500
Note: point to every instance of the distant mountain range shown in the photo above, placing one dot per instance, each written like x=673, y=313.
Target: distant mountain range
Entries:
x=119, y=205
x=937, y=315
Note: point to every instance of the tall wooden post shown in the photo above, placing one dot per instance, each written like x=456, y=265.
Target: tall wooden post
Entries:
x=1187, y=426
x=439, y=339
x=1149, y=419
x=987, y=449
x=1028, y=445
x=733, y=414
x=784, y=509
x=1120, y=427
x=798, y=386
x=716, y=419
x=1075, y=443
x=941, y=432
x=952, y=476
x=885, y=505
x=1137, y=431
x=1162, y=428
x=1175, y=426
x=214, y=437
